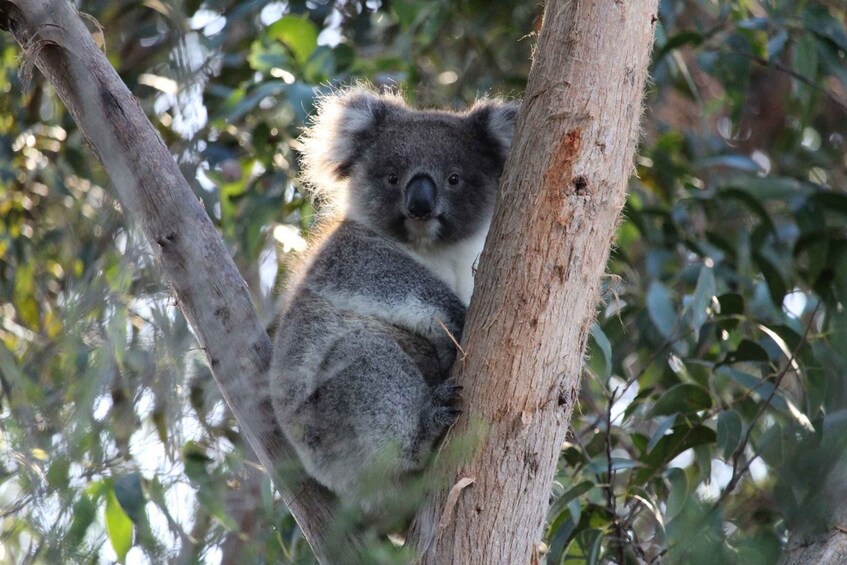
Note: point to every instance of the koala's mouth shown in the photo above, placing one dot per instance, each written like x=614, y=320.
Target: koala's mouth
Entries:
x=422, y=230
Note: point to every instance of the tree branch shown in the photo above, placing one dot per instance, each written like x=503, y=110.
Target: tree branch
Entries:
x=210, y=291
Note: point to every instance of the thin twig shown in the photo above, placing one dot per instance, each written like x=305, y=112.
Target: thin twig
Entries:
x=776, y=65
x=610, y=480
x=737, y=472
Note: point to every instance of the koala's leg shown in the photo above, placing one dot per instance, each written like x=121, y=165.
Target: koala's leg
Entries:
x=372, y=419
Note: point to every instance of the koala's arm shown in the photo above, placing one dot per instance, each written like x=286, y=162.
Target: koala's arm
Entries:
x=359, y=271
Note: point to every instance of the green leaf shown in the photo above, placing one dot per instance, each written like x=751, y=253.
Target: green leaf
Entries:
x=750, y=200
x=804, y=61
x=573, y=493
x=777, y=43
x=646, y=498
x=774, y=188
x=703, y=293
x=771, y=445
x=823, y=23
x=601, y=464
x=57, y=472
x=678, y=40
x=730, y=161
x=683, y=398
x=681, y=438
x=605, y=347
x=831, y=201
x=773, y=277
x=241, y=103
x=299, y=34
x=729, y=432
x=84, y=512
x=194, y=459
x=406, y=11
x=660, y=309
x=660, y=432
x=762, y=388
x=131, y=497
x=747, y=351
x=586, y=547
x=678, y=493
x=118, y=526
x=321, y=65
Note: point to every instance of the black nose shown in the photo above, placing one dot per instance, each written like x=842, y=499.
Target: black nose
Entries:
x=420, y=197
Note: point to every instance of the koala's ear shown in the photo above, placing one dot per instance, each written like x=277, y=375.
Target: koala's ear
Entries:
x=345, y=121
x=496, y=119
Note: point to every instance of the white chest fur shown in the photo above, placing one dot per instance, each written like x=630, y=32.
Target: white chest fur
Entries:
x=454, y=264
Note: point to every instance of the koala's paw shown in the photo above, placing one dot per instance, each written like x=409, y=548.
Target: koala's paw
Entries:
x=445, y=409
x=441, y=418
x=448, y=393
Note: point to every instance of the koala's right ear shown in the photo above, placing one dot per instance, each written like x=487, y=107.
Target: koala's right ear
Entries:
x=496, y=118
x=345, y=122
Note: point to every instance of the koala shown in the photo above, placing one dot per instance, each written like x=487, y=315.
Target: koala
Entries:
x=367, y=334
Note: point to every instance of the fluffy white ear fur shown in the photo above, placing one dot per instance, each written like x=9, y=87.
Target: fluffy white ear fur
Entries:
x=330, y=142
x=499, y=116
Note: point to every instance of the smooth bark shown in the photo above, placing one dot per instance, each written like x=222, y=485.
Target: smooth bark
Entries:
x=537, y=287
x=562, y=193
x=210, y=291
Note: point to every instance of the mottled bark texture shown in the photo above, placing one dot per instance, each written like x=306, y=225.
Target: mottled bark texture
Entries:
x=537, y=285
x=210, y=291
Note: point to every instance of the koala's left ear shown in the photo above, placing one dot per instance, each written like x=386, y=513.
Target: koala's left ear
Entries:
x=345, y=121
x=496, y=118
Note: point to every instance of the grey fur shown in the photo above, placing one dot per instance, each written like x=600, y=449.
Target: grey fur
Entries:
x=361, y=358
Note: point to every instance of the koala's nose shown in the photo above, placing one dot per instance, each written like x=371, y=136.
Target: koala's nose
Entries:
x=420, y=197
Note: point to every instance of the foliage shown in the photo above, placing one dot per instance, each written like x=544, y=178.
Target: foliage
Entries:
x=713, y=404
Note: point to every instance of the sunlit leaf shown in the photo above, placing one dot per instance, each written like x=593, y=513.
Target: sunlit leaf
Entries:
x=298, y=34
x=585, y=548
x=118, y=526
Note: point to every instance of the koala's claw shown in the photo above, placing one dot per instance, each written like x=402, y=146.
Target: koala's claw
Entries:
x=446, y=398
x=443, y=417
x=448, y=393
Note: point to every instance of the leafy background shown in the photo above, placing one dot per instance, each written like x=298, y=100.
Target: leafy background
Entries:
x=712, y=416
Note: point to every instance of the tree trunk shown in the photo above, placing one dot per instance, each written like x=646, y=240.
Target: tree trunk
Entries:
x=561, y=194
x=210, y=291
x=827, y=547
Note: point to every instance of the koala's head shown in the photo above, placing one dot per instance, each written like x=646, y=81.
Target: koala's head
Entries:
x=418, y=176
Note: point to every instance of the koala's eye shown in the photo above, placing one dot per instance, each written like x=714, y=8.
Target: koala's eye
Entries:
x=453, y=179
x=393, y=179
